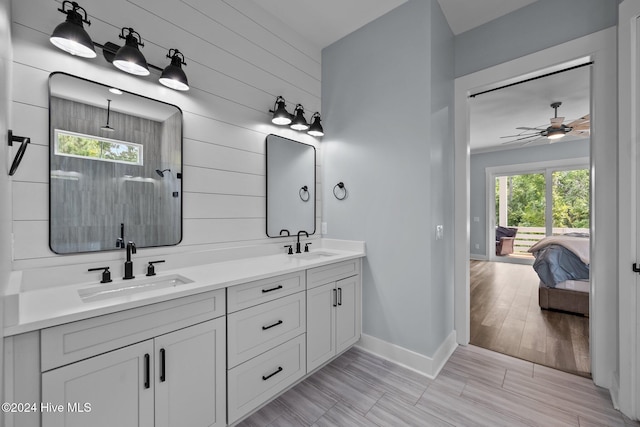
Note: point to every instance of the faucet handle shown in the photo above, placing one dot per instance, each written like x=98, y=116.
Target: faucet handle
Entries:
x=106, y=274
x=120, y=243
x=306, y=246
x=151, y=271
x=290, y=252
x=132, y=245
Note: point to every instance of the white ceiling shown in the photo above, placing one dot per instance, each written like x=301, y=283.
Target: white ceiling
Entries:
x=497, y=114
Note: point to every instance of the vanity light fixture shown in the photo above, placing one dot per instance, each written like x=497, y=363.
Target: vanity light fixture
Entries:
x=299, y=122
x=71, y=36
x=173, y=76
x=129, y=58
x=316, y=128
x=280, y=114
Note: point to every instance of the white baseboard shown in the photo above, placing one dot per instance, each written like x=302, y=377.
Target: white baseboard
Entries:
x=478, y=257
x=428, y=366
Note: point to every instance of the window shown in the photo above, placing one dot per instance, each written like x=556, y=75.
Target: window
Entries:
x=93, y=147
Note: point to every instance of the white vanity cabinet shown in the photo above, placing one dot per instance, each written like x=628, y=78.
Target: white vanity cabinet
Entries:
x=333, y=311
x=266, y=340
x=159, y=365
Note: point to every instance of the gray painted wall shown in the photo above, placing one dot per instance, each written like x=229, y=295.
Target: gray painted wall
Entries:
x=479, y=163
x=540, y=25
x=387, y=97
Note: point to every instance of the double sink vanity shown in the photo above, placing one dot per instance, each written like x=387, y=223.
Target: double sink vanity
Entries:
x=204, y=345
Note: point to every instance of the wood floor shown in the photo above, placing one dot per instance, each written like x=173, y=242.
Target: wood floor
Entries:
x=505, y=317
x=476, y=387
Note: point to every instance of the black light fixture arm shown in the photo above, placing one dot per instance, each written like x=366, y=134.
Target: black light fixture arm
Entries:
x=109, y=50
x=72, y=14
x=130, y=38
x=177, y=58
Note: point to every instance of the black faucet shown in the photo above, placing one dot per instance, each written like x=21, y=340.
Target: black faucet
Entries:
x=298, y=251
x=128, y=264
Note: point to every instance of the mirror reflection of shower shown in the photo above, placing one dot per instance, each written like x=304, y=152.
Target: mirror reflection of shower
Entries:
x=107, y=127
x=161, y=172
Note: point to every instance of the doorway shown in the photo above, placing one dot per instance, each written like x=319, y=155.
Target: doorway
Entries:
x=599, y=48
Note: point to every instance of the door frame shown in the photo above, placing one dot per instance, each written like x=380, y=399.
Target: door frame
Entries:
x=628, y=109
x=600, y=48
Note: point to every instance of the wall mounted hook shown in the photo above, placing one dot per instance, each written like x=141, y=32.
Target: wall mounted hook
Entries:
x=23, y=140
x=340, y=191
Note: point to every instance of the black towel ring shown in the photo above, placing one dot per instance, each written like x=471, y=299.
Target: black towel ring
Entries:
x=304, y=190
x=341, y=186
x=24, y=140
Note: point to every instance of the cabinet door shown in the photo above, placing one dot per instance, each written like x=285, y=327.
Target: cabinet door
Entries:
x=190, y=380
x=321, y=325
x=113, y=384
x=347, y=313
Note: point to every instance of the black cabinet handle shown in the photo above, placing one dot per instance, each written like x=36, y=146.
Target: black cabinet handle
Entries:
x=264, y=378
x=264, y=291
x=339, y=296
x=279, y=322
x=162, y=365
x=147, y=370
x=335, y=297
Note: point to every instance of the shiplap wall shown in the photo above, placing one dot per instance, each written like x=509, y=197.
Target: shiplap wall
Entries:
x=239, y=59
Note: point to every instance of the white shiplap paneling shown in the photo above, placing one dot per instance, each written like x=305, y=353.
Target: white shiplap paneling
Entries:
x=239, y=59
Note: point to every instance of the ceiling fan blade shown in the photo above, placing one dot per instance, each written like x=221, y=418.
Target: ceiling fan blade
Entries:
x=521, y=134
x=525, y=128
x=582, y=122
x=522, y=139
x=579, y=132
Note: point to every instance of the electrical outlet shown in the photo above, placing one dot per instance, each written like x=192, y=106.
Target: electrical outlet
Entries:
x=324, y=228
x=477, y=246
x=439, y=232
x=476, y=219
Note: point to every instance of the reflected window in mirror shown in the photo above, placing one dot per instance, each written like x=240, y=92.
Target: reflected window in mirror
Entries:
x=105, y=149
x=291, y=186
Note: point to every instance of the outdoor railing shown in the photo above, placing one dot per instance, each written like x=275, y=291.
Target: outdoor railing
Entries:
x=529, y=236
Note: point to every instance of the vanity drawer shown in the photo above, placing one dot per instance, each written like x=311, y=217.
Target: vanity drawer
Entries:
x=68, y=343
x=254, y=382
x=253, y=293
x=260, y=328
x=332, y=272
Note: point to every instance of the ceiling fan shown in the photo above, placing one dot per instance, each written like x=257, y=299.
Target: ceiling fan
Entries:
x=557, y=129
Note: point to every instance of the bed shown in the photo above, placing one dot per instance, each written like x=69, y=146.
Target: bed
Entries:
x=562, y=263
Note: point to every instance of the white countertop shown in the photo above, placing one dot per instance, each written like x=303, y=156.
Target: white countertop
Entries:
x=43, y=308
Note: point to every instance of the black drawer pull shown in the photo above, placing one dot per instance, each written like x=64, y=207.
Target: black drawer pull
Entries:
x=264, y=378
x=264, y=291
x=279, y=322
x=147, y=370
x=335, y=297
x=339, y=296
x=163, y=376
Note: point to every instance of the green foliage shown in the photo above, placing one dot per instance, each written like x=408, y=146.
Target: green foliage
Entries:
x=85, y=146
x=526, y=199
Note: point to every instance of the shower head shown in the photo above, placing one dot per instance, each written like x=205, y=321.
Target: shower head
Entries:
x=161, y=172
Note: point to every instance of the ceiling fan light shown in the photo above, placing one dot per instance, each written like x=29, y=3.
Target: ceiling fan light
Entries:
x=555, y=134
x=280, y=114
x=71, y=36
x=129, y=58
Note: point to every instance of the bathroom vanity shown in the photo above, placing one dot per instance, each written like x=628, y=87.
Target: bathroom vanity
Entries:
x=207, y=349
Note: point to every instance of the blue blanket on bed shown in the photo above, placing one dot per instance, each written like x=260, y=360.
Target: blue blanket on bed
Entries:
x=555, y=264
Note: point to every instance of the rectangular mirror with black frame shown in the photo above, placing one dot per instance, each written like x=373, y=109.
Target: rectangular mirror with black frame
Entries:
x=291, y=186
x=115, y=167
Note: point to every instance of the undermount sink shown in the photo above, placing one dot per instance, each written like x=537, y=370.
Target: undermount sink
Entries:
x=128, y=287
x=314, y=255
